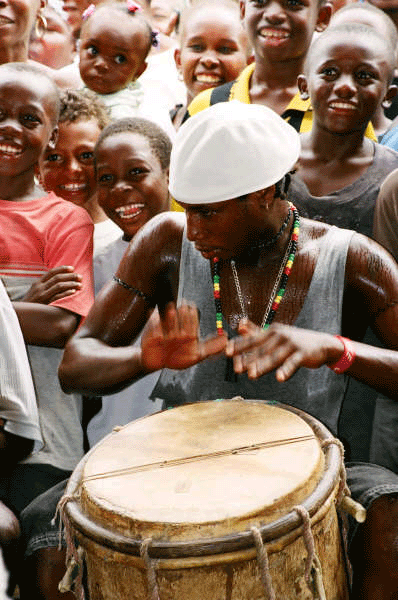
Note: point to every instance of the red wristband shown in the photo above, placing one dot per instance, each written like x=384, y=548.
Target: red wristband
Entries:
x=346, y=359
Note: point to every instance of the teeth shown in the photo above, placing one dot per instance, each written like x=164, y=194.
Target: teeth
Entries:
x=73, y=187
x=129, y=210
x=208, y=78
x=6, y=149
x=342, y=105
x=274, y=34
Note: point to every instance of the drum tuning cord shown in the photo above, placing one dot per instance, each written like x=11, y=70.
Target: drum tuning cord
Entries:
x=343, y=499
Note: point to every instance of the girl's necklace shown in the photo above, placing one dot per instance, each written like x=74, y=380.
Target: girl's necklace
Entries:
x=279, y=288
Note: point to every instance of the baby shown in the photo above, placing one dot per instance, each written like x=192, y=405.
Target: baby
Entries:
x=115, y=41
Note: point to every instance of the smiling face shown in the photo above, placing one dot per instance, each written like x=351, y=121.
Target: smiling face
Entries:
x=68, y=169
x=281, y=30
x=27, y=120
x=213, y=50
x=113, y=49
x=17, y=18
x=132, y=186
x=347, y=77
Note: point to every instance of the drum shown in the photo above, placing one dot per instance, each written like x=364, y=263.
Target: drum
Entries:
x=220, y=500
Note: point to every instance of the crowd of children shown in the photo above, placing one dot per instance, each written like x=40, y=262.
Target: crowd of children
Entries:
x=93, y=97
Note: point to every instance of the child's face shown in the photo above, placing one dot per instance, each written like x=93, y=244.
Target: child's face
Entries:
x=131, y=185
x=282, y=30
x=213, y=49
x=112, y=51
x=347, y=78
x=26, y=122
x=68, y=169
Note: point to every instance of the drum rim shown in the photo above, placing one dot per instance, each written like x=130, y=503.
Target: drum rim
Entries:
x=217, y=545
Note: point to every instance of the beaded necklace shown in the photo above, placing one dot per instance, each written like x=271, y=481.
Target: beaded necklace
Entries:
x=280, y=283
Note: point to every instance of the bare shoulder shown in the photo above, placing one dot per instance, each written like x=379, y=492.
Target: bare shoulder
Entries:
x=160, y=237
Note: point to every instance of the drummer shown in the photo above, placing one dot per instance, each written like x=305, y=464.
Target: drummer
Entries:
x=274, y=292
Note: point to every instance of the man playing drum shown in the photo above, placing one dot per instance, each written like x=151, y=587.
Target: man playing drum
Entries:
x=252, y=300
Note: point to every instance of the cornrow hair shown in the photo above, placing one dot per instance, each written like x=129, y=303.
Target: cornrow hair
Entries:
x=158, y=140
x=83, y=104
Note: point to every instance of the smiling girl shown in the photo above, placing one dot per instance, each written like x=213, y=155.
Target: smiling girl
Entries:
x=213, y=48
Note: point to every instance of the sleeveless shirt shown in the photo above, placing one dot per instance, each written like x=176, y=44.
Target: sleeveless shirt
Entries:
x=318, y=392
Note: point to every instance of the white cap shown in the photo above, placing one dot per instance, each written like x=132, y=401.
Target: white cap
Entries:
x=228, y=150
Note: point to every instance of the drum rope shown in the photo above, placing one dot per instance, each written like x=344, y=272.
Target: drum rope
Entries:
x=263, y=564
x=73, y=578
x=153, y=591
x=343, y=489
x=197, y=457
x=313, y=569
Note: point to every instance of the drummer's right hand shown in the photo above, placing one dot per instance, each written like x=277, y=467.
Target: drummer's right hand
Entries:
x=173, y=341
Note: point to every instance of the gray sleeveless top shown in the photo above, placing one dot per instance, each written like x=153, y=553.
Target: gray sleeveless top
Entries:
x=318, y=392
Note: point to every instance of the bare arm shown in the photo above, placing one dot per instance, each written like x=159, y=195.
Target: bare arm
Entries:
x=44, y=325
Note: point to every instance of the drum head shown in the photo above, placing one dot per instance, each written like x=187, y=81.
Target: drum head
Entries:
x=201, y=470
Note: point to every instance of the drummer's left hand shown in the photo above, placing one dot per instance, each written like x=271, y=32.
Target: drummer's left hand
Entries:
x=281, y=347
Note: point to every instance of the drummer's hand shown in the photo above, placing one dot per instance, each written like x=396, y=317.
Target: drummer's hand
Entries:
x=173, y=341
x=281, y=347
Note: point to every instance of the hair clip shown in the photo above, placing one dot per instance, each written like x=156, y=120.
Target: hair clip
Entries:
x=88, y=12
x=133, y=6
x=155, y=38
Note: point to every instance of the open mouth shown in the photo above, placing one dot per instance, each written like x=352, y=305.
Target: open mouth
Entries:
x=8, y=150
x=209, y=79
x=73, y=187
x=129, y=211
x=344, y=106
x=275, y=35
x=5, y=20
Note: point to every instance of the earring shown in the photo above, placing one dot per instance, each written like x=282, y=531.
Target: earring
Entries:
x=179, y=76
x=40, y=25
x=304, y=95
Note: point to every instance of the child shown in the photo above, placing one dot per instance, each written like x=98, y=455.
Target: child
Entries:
x=366, y=13
x=40, y=232
x=68, y=169
x=213, y=48
x=339, y=171
x=280, y=33
x=132, y=161
x=114, y=43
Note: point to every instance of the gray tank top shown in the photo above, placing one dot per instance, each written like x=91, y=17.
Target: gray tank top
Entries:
x=318, y=392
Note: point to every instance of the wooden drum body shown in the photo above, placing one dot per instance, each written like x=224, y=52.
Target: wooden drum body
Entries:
x=211, y=501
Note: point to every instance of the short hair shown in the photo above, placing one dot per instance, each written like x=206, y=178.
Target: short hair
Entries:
x=39, y=72
x=85, y=105
x=355, y=28
x=390, y=28
x=122, y=6
x=196, y=5
x=158, y=140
